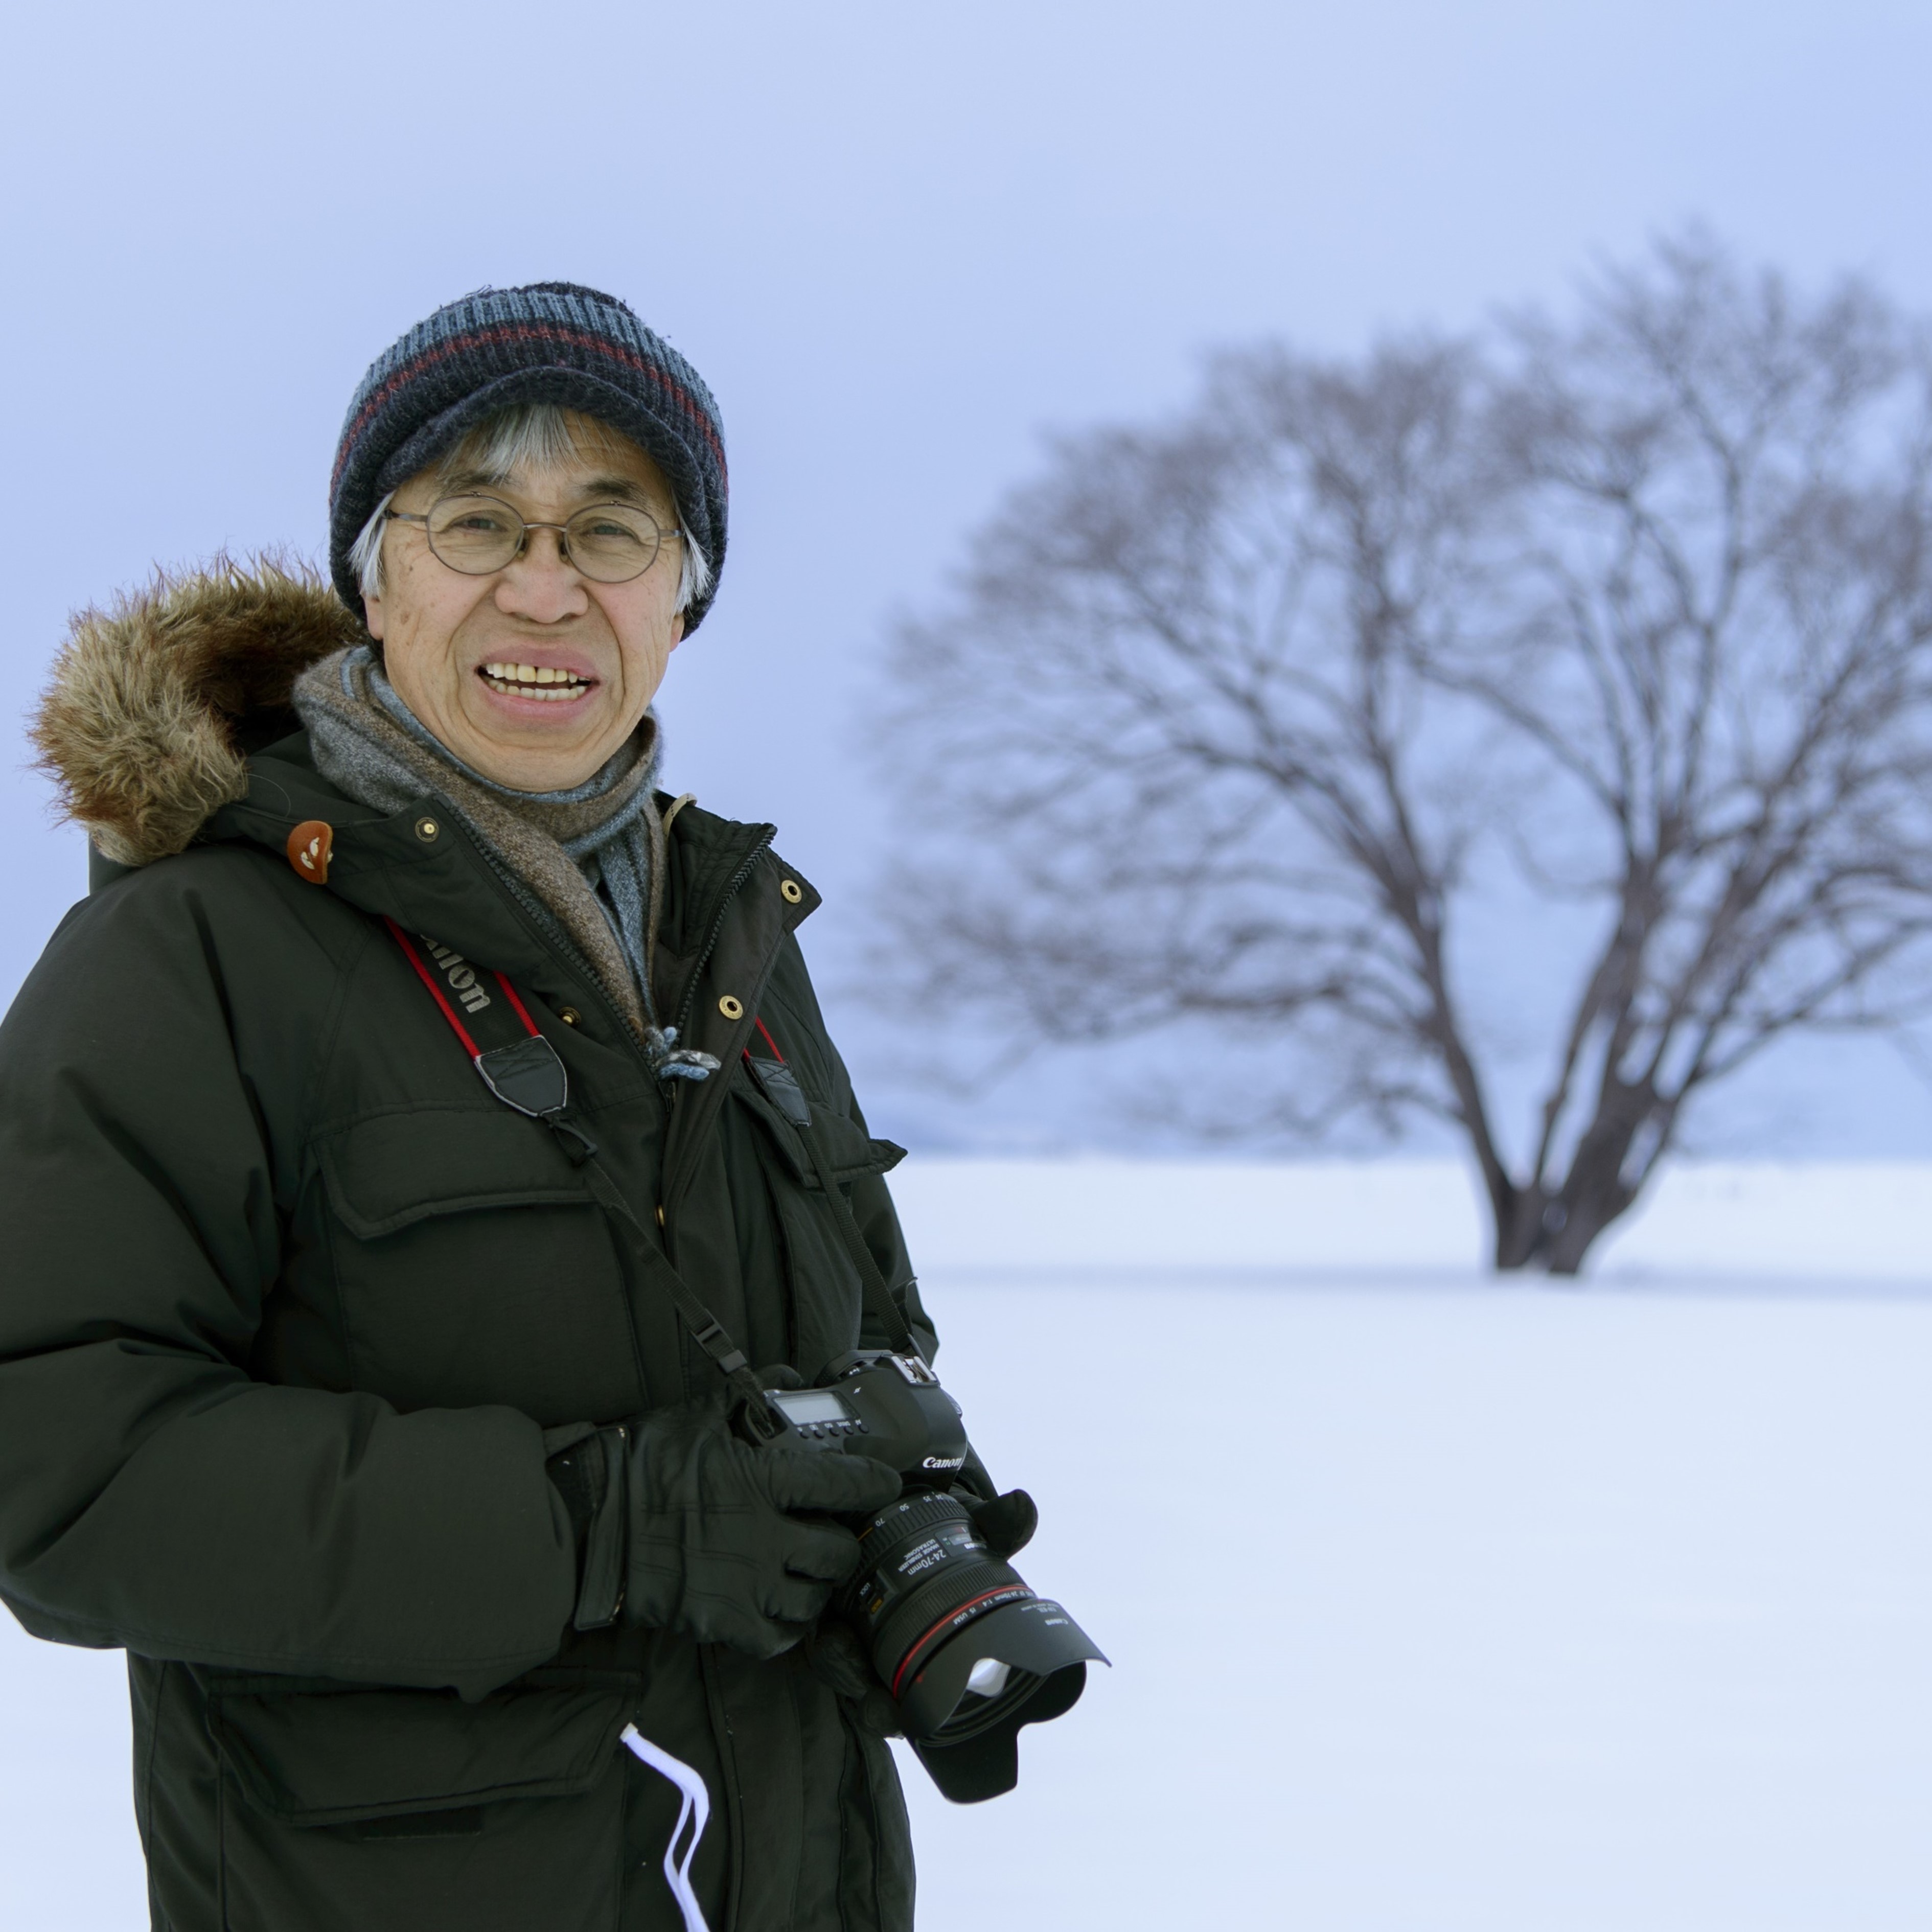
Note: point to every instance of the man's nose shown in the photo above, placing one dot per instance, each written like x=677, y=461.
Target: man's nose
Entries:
x=540, y=583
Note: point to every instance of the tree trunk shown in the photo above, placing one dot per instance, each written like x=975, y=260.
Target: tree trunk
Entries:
x=1521, y=1230
x=1535, y=1228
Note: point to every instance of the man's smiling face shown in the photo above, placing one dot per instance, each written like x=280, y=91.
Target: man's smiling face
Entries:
x=533, y=675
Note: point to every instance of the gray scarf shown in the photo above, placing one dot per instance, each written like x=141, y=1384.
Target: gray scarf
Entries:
x=562, y=845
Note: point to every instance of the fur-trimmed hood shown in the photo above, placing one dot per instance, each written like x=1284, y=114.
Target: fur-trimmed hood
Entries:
x=157, y=703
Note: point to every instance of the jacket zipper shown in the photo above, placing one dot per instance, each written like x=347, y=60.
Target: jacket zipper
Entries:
x=541, y=916
x=547, y=924
x=554, y=935
x=731, y=891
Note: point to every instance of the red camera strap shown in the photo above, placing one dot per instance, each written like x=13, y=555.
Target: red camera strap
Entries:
x=531, y=1029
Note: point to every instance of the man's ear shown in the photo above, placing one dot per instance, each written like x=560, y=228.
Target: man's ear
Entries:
x=677, y=630
x=372, y=616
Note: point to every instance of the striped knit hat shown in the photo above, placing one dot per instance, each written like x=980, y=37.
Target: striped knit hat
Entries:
x=550, y=342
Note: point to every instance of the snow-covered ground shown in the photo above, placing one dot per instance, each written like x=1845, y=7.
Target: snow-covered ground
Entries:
x=1829, y=1219
x=1434, y=1603
x=1460, y=1607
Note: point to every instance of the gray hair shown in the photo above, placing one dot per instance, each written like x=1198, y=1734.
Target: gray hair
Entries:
x=528, y=436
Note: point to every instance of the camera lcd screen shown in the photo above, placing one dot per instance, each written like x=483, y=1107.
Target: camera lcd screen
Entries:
x=811, y=1405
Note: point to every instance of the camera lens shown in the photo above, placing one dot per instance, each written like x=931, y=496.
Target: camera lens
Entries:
x=968, y=1650
x=926, y=1575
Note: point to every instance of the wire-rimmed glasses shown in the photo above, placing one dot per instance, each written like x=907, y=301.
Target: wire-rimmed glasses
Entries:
x=609, y=543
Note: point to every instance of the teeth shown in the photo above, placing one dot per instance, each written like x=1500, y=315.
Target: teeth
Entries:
x=537, y=681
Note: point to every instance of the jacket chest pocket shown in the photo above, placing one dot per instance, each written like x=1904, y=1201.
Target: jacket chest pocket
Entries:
x=828, y=1300
x=473, y=1266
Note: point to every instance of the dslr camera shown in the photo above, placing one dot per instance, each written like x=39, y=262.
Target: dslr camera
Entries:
x=968, y=1650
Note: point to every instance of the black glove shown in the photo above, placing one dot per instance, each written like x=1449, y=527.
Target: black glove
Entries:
x=713, y=1551
x=838, y=1659
x=1005, y=1523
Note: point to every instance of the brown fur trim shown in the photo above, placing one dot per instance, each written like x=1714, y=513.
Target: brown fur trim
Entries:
x=156, y=702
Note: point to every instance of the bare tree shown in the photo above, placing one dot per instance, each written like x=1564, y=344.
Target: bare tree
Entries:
x=1241, y=718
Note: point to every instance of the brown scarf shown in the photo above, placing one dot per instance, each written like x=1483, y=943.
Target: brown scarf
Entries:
x=369, y=744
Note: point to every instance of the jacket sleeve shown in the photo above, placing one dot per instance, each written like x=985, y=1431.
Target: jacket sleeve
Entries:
x=152, y=1496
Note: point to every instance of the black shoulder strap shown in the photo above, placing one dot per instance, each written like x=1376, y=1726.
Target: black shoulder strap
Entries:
x=706, y=1329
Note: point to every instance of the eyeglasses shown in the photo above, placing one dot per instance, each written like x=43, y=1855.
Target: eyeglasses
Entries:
x=609, y=543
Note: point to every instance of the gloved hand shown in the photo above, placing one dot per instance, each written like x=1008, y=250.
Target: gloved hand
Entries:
x=1005, y=1523
x=715, y=1551
x=838, y=1659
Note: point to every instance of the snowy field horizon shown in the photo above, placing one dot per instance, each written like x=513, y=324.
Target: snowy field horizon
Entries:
x=1103, y=1215
x=1437, y=1601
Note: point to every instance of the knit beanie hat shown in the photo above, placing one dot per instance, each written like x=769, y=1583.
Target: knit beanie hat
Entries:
x=550, y=342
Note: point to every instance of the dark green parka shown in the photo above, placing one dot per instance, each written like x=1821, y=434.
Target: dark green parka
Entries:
x=290, y=1299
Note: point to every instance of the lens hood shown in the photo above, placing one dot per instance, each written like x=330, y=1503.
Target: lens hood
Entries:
x=973, y=1755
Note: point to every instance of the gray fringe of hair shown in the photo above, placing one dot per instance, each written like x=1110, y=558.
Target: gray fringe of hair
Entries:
x=529, y=436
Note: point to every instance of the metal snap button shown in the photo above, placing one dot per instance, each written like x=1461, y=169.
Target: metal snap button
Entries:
x=732, y=1007
x=792, y=891
x=569, y=1016
x=427, y=830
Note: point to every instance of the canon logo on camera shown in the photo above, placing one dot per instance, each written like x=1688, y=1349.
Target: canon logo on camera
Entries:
x=944, y=1463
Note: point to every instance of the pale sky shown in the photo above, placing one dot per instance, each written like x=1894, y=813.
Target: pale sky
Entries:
x=900, y=241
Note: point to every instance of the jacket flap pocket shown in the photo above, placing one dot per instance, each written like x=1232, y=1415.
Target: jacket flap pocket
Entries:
x=383, y=1174
x=849, y=1151
x=339, y=1757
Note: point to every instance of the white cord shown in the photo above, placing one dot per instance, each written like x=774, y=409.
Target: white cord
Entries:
x=677, y=1870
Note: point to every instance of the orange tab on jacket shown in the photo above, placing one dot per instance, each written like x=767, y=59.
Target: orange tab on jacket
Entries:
x=310, y=844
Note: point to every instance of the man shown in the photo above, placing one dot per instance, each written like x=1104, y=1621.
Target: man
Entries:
x=352, y=1394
